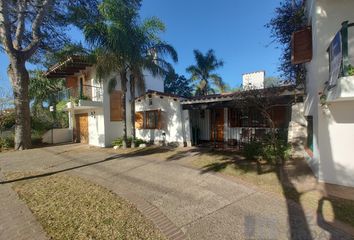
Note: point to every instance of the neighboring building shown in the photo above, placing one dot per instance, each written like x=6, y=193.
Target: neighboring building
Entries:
x=95, y=116
x=329, y=101
x=226, y=120
x=253, y=80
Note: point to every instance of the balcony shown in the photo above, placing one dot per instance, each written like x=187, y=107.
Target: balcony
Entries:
x=84, y=97
x=340, y=86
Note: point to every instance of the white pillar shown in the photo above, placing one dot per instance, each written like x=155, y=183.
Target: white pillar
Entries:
x=186, y=128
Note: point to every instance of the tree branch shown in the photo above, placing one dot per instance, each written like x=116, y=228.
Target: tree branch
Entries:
x=5, y=28
x=20, y=24
x=36, y=25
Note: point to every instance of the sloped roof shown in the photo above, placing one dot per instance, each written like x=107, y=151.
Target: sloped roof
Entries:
x=69, y=67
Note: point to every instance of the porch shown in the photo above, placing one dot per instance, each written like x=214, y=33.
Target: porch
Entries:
x=223, y=121
x=231, y=128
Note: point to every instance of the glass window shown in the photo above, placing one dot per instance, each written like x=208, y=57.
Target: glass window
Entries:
x=151, y=119
x=309, y=142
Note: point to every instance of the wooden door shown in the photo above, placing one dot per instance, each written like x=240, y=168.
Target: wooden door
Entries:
x=217, y=125
x=82, y=135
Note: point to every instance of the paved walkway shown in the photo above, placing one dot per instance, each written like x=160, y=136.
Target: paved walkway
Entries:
x=16, y=220
x=181, y=201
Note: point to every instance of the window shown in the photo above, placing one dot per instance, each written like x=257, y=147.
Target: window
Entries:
x=309, y=142
x=151, y=119
x=116, y=106
x=234, y=117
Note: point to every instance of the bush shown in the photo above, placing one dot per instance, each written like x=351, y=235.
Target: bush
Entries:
x=252, y=150
x=7, y=120
x=273, y=150
x=119, y=142
x=7, y=142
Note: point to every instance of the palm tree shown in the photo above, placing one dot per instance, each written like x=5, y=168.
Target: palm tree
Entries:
x=110, y=39
x=124, y=46
x=203, y=72
x=148, y=54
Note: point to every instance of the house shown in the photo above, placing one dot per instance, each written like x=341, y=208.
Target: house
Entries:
x=326, y=47
x=220, y=120
x=95, y=115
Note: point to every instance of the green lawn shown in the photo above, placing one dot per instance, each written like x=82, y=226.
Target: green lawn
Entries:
x=69, y=207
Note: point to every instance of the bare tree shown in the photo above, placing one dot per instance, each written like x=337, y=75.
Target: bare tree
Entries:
x=28, y=29
x=264, y=101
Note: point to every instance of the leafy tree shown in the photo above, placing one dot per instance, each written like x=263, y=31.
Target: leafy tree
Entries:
x=289, y=17
x=29, y=29
x=272, y=82
x=203, y=72
x=42, y=90
x=127, y=46
x=178, y=84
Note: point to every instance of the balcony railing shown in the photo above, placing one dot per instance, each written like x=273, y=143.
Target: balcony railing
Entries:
x=340, y=55
x=85, y=92
x=340, y=86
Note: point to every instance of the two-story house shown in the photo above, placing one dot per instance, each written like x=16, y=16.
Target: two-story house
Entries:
x=95, y=114
x=329, y=101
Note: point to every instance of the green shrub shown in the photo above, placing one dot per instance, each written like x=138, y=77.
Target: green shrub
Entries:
x=7, y=120
x=276, y=150
x=252, y=150
x=351, y=70
x=7, y=142
x=119, y=142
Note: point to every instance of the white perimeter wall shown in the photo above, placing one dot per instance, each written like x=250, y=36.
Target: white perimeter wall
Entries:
x=333, y=126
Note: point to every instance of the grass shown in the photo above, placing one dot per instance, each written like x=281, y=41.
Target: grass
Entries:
x=69, y=207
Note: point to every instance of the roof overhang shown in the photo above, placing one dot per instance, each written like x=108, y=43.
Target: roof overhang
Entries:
x=69, y=67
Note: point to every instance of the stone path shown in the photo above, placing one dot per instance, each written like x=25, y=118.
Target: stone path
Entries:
x=182, y=202
x=16, y=220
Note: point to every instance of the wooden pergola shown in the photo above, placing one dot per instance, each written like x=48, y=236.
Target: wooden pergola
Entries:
x=69, y=67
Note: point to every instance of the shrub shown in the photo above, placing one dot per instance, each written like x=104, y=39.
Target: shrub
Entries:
x=7, y=120
x=119, y=142
x=252, y=150
x=7, y=142
x=276, y=150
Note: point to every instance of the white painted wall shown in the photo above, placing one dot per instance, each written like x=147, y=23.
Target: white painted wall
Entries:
x=253, y=80
x=172, y=118
x=333, y=126
x=62, y=135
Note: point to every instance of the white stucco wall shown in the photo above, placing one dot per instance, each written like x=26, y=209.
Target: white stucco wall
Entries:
x=55, y=136
x=253, y=80
x=172, y=119
x=333, y=126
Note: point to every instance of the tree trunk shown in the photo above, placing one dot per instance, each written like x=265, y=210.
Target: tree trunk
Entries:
x=20, y=80
x=132, y=108
x=123, y=79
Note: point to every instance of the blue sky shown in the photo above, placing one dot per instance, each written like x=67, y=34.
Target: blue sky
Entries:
x=233, y=28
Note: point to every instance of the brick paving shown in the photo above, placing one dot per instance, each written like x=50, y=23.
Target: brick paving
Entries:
x=182, y=202
x=16, y=220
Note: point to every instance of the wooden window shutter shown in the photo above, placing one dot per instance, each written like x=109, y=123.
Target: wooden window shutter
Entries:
x=160, y=120
x=71, y=82
x=139, y=120
x=116, y=106
x=301, y=44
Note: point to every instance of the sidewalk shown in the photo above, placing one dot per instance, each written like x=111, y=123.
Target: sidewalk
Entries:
x=16, y=220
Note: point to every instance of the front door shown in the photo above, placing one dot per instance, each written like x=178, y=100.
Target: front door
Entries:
x=217, y=125
x=81, y=131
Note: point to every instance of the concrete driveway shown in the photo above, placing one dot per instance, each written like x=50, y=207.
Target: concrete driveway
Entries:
x=178, y=198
